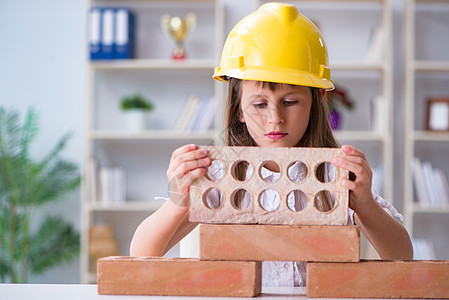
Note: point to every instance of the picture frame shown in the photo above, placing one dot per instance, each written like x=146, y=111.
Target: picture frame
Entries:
x=437, y=115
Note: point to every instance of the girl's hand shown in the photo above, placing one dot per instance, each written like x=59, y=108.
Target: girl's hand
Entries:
x=187, y=163
x=360, y=176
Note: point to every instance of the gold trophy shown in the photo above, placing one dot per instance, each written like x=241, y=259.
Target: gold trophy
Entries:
x=178, y=29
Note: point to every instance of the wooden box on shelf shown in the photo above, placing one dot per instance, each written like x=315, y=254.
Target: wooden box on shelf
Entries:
x=101, y=243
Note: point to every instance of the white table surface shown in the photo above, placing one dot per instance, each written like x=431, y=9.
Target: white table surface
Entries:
x=89, y=292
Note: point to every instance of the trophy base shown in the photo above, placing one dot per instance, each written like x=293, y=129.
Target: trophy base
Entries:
x=178, y=56
x=179, y=52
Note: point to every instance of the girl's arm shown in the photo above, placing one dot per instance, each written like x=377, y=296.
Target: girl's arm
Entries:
x=158, y=233
x=169, y=224
x=389, y=237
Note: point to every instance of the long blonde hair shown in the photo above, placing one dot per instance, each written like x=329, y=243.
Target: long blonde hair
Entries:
x=317, y=134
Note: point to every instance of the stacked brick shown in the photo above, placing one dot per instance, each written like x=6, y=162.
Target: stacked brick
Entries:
x=234, y=242
x=379, y=279
x=178, y=277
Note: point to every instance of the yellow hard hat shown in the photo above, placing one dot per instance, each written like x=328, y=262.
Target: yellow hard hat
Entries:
x=276, y=43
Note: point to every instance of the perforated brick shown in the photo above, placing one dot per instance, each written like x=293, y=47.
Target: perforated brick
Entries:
x=379, y=279
x=228, y=185
x=120, y=275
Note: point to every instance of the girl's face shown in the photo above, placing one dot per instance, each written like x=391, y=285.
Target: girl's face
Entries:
x=276, y=118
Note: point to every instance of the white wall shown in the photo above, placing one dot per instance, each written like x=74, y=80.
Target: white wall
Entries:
x=42, y=61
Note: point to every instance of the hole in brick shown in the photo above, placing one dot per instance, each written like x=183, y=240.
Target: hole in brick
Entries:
x=241, y=199
x=213, y=198
x=296, y=200
x=269, y=200
x=215, y=171
x=269, y=169
x=325, y=172
x=297, y=171
x=324, y=201
x=242, y=170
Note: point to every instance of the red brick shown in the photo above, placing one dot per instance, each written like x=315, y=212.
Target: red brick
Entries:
x=379, y=279
x=177, y=277
x=280, y=243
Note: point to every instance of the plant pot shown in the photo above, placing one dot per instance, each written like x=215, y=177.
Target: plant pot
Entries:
x=135, y=120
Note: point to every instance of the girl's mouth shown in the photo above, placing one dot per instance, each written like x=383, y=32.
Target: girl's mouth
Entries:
x=275, y=135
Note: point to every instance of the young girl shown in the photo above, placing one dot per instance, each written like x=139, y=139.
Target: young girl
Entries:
x=276, y=65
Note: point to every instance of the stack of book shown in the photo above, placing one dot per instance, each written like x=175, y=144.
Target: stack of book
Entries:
x=111, y=33
x=106, y=184
x=197, y=115
x=431, y=186
x=112, y=185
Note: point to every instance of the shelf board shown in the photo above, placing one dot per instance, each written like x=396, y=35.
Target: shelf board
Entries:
x=356, y=66
x=152, y=135
x=210, y=135
x=360, y=3
x=427, y=2
x=419, y=208
x=127, y=206
x=359, y=135
x=422, y=135
x=423, y=65
x=171, y=1
x=154, y=64
x=209, y=64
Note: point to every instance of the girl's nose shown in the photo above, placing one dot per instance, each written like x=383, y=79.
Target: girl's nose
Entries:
x=275, y=115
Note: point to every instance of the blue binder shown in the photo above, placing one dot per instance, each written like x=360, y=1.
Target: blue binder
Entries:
x=124, y=34
x=95, y=33
x=107, y=46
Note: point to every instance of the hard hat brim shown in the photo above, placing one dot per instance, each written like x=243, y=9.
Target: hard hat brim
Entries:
x=275, y=75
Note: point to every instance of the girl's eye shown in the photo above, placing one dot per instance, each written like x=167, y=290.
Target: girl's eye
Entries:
x=290, y=102
x=260, y=105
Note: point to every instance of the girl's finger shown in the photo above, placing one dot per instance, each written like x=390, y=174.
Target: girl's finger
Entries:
x=348, y=184
x=191, y=155
x=354, y=166
x=352, y=151
x=182, y=150
x=190, y=165
x=353, y=159
x=354, y=155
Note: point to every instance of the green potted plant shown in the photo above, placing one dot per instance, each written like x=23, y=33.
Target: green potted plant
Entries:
x=26, y=184
x=135, y=108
